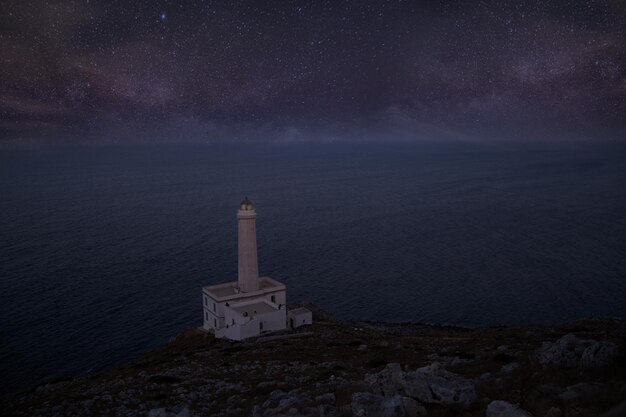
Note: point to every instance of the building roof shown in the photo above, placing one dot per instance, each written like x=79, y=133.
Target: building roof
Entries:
x=300, y=310
x=253, y=309
x=230, y=291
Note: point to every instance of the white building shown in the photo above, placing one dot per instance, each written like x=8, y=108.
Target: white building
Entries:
x=252, y=305
x=299, y=317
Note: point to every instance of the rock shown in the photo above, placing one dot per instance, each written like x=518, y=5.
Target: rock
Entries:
x=434, y=385
x=264, y=384
x=157, y=412
x=325, y=398
x=504, y=409
x=316, y=411
x=554, y=412
x=413, y=408
x=560, y=353
x=568, y=396
x=430, y=385
x=509, y=367
x=283, y=402
x=387, y=382
x=275, y=395
x=548, y=389
x=234, y=400
x=618, y=411
x=365, y=404
x=485, y=379
x=288, y=402
x=457, y=360
x=582, y=390
x=570, y=352
x=598, y=354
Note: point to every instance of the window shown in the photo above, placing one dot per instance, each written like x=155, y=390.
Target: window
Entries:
x=273, y=298
x=214, y=308
x=206, y=316
x=206, y=302
x=260, y=325
x=215, y=322
x=233, y=321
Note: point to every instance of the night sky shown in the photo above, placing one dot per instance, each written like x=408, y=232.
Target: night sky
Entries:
x=149, y=70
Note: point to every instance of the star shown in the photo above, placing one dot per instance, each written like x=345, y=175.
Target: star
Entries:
x=400, y=64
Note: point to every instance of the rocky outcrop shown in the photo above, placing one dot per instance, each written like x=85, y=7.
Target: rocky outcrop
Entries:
x=162, y=412
x=598, y=354
x=571, y=352
x=505, y=409
x=582, y=390
x=431, y=384
x=619, y=411
x=365, y=404
x=346, y=369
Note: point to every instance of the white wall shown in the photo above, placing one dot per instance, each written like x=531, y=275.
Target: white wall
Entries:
x=246, y=327
x=299, y=319
x=218, y=313
x=274, y=321
x=280, y=297
x=239, y=331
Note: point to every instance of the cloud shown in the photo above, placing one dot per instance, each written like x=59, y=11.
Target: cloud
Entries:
x=29, y=106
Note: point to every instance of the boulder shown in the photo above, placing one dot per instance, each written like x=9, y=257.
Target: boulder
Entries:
x=413, y=408
x=280, y=402
x=157, y=412
x=389, y=381
x=434, y=385
x=598, y=354
x=562, y=353
x=431, y=384
x=505, y=409
x=485, y=379
x=618, y=411
x=554, y=412
x=323, y=411
x=571, y=352
x=162, y=412
x=365, y=404
x=509, y=368
x=325, y=398
x=581, y=390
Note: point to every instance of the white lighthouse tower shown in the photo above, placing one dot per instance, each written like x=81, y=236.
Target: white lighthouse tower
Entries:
x=248, y=264
x=252, y=305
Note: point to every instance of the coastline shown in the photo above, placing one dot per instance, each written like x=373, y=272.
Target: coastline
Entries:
x=342, y=368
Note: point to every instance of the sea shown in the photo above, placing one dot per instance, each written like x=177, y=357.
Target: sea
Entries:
x=104, y=249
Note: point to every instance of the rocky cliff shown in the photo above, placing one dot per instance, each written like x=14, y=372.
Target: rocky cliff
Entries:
x=336, y=368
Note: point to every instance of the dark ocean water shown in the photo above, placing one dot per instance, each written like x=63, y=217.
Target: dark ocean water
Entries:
x=103, y=251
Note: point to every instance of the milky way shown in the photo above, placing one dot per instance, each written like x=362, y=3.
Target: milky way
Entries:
x=314, y=70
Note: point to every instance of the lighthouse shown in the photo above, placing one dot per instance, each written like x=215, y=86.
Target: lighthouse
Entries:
x=248, y=264
x=252, y=305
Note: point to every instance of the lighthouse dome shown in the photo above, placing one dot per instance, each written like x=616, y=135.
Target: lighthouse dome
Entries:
x=246, y=204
